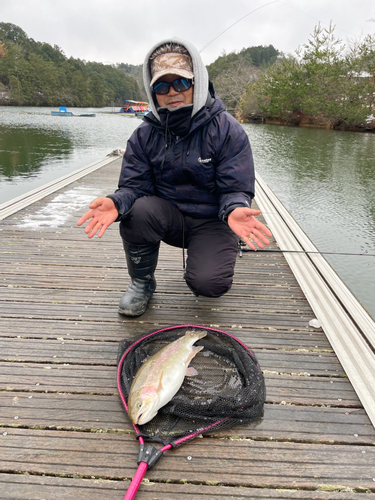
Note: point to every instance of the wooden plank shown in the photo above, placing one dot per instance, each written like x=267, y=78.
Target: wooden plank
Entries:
x=105, y=353
x=246, y=303
x=111, y=272
x=217, y=316
x=114, y=456
x=56, y=377
x=65, y=259
x=265, y=338
x=108, y=271
x=172, y=286
x=304, y=390
x=93, y=379
x=89, y=412
x=15, y=486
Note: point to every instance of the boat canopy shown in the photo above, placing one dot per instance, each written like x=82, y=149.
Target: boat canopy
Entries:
x=135, y=107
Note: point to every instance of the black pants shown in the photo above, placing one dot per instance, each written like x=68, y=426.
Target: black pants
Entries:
x=211, y=244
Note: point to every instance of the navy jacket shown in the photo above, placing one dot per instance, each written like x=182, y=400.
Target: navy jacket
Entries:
x=205, y=174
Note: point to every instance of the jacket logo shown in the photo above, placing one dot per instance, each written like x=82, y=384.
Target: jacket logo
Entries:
x=204, y=161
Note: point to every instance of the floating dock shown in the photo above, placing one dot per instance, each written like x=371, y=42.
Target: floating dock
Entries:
x=64, y=434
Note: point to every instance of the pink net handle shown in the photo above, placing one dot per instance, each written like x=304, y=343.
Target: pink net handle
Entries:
x=139, y=475
x=136, y=481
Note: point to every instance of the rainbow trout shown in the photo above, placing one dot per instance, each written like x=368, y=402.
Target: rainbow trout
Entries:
x=161, y=376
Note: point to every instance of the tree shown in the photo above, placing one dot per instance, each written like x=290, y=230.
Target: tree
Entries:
x=3, y=50
x=13, y=33
x=136, y=72
x=324, y=79
x=16, y=90
x=97, y=90
x=280, y=90
x=232, y=73
x=231, y=83
x=260, y=57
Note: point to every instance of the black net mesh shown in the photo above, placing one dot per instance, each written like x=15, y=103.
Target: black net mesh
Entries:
x=229, y=389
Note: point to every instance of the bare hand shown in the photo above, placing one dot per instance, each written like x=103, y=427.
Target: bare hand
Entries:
x=242, y=221
x=103, y=212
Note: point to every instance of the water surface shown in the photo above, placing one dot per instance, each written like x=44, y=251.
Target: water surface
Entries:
x=36, y=147
x=326, y=180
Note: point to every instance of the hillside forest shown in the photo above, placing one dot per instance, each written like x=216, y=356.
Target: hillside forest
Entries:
x=324, y=83
x=38, y=74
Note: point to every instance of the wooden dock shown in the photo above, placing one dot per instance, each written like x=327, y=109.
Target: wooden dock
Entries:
x=64, y=434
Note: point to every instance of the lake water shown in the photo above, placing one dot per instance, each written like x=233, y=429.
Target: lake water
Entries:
x=36, y=147
x=326, y=179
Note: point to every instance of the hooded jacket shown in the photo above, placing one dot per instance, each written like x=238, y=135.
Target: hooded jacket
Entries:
x=205, y=173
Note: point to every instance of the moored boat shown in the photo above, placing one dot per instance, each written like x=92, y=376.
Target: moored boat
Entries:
x=62, y=112
x=135, y=108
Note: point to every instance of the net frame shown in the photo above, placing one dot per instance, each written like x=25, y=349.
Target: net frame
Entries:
x=168, y=419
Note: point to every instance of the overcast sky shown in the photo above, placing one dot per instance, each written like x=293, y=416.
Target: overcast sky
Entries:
x=114, y=31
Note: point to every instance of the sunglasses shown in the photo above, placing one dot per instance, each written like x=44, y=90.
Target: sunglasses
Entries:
x=179, y=85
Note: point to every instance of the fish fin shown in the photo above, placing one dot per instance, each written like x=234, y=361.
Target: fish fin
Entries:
x=159, y=383
x=191, y=372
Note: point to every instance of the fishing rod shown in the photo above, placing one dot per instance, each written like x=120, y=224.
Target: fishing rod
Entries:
x=261, y=7
x=264, y=250
x=229, y=27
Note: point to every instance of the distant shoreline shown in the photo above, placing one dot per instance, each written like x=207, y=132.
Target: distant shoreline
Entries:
x=312, y=122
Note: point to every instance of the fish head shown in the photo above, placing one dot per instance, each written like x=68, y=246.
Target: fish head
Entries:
x=144, y=407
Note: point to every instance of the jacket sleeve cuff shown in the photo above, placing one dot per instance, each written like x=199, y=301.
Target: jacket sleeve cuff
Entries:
x=230, y=209
x=120, y=215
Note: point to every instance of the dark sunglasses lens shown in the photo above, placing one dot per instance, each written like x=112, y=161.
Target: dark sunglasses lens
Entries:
x=181, y=84
x=161, y=88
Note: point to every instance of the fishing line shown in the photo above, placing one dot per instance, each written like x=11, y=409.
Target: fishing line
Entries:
x=229, y=27
x=247, y=249
x=312, y=17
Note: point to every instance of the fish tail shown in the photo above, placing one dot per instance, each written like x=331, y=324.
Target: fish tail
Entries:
x=197, y=349
x=193, y=353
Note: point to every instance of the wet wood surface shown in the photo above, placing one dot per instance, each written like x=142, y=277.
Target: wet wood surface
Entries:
x=64, y=434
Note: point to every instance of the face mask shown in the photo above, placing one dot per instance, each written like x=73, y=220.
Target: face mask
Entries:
x=176, y=120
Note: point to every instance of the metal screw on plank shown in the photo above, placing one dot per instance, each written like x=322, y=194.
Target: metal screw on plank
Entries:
x=189, y=457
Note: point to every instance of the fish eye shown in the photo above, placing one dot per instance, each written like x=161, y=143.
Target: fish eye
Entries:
x=139, y=405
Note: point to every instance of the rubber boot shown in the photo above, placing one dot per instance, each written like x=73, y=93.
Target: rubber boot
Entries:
x=141, y=261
